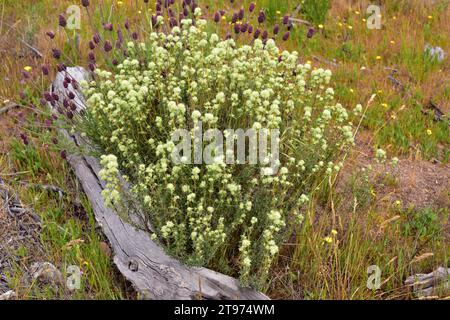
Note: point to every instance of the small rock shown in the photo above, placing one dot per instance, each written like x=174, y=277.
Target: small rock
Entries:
x=10, y=295
x=45, y=272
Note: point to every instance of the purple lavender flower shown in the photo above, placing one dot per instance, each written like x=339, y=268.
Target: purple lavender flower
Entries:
x=45, y=70
x=237, y=28
x=85, y=3
x=61, y=67
x=48, y=96
x=50, y=34
x=217, y=17
x=276, y=29
x=108, y=26
x=250, y=29
x=234, y=18
x=96, y=38
x=154, y=20
x=62, y=21
x=261, y=17
x=56, y=53
x=24, y=138
x=252, y=6
x=285, y=19
x=107, y=46
x=286, y=36
x=63, y=154
x=241, y=14
x=257, y=33
x=310, y=33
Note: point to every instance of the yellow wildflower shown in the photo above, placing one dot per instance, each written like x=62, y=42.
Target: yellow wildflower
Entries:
x=334, y=232
x=27, y=68
x=328, y=239
x=429, y=132
x=320, y=26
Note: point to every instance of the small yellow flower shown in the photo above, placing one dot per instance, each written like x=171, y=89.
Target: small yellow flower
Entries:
x=392, y=42
x=351, y=90
x=357, y=12
x=394, y=18
x=139, y=11
x=334, y=232
x=430, y=17
x=119, y=3
x=340, y=24
x=398, y=203
x=27, y=68
x=380, y=91
x=429, y=132
x=308, y=62
x=364, y=20
x=320, y=26
x=278, y=12
x=350, y=27
x=328, y=239
x=393, y=116
x=223, y=17
x=385, y=105
x=378, y=57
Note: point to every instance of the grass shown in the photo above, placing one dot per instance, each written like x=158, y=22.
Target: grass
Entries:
x=69, y=233
x=368, y=232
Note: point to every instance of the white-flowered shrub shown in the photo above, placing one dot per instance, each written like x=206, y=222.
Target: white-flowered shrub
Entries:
x=229, y=217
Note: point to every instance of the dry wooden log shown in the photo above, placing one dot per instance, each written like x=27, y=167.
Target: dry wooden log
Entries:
x=425, y=285
x=144, y=263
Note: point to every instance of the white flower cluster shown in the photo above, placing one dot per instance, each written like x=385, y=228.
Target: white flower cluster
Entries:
x=110, y=174
x=177, y=79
